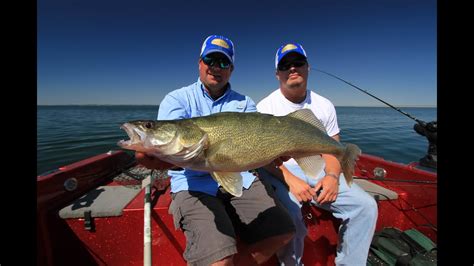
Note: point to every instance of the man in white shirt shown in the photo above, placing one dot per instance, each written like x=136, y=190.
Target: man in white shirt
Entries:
x=356, y=208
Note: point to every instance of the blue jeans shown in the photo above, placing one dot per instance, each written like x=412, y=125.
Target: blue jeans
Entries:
x=355, y=207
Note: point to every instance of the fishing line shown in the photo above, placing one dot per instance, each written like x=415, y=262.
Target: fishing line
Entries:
x=429, y=130
x=366, y=92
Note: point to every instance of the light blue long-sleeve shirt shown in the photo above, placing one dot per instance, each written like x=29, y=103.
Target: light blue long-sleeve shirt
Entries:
x=194, y=101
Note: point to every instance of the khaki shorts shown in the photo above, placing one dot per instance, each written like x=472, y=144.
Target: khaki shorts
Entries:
x=210, y=223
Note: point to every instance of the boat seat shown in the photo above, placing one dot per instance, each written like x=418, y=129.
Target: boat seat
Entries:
x=103, y=201
x=376, y=191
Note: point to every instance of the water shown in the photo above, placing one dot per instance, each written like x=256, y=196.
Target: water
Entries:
x=67, y=134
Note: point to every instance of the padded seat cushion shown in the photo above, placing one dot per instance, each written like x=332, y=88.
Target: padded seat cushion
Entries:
x=104, y=201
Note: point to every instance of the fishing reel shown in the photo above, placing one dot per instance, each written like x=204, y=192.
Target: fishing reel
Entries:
x=430, y=131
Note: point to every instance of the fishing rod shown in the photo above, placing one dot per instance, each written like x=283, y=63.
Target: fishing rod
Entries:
x=429, y=130
x=366, y=92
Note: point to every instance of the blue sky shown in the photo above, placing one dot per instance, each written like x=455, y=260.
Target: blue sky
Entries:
x=134, y=52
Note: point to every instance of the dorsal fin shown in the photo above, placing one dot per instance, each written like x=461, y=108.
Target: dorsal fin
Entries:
x=308, y=116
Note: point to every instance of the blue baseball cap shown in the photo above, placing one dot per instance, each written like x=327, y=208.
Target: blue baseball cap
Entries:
x=288, y=48
x=220, y=44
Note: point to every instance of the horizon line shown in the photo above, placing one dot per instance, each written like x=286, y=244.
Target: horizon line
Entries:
x=93, y=104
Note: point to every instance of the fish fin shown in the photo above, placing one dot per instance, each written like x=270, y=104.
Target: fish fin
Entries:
x=308, y=116
x=230, y=181
x=311, y=165
x=348, y=161
x=216, y=155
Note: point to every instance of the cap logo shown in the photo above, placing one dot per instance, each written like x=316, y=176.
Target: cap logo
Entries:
x=288, y=47
x=220, y=42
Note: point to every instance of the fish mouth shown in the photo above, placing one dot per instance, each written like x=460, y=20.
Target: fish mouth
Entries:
x=135, y=135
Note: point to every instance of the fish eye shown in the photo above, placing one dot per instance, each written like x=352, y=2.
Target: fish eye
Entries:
x=148, y=125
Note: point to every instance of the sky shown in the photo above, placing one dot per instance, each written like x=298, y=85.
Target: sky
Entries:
x=135, y=52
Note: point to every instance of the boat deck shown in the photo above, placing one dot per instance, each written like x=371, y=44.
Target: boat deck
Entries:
x=100, y=222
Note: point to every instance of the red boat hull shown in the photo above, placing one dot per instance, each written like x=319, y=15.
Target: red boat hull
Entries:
x=119, y=240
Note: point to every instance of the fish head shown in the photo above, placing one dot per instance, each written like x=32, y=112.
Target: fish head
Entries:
x=172, y=141
x=149, y=135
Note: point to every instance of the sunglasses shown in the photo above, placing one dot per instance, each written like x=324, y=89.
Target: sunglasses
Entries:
x=223, y=63
x=287, y=65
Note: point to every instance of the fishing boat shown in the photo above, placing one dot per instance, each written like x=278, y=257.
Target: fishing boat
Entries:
x=109, y=210
x=94, y=211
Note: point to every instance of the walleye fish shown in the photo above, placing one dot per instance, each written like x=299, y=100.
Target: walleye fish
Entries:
x=228, y=143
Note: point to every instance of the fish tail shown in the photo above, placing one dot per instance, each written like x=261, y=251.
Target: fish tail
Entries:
x=348, y=161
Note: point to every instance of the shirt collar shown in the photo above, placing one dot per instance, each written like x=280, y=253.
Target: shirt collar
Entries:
x=301, y=104
x=206, y=94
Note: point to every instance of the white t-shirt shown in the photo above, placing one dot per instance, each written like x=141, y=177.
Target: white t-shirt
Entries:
x=276, y=104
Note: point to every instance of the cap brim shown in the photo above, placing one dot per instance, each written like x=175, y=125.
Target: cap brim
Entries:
x=291, y=52
x=217, y=51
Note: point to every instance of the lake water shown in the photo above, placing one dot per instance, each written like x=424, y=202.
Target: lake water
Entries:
x=66, y=134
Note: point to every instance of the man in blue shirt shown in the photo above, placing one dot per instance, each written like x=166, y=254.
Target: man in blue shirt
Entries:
x=201, y=208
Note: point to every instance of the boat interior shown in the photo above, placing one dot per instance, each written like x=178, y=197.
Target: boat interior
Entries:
x=92, y=212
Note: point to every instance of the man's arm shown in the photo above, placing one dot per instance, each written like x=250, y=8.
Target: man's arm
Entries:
x=153, y=162
x=330, y=182
x=299, y=188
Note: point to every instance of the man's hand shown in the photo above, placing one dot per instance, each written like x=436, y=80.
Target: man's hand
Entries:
x=300, y=189
x=330, y=186
x=152, y=162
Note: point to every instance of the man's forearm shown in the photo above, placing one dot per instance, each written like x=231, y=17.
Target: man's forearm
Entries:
x=333, y=167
